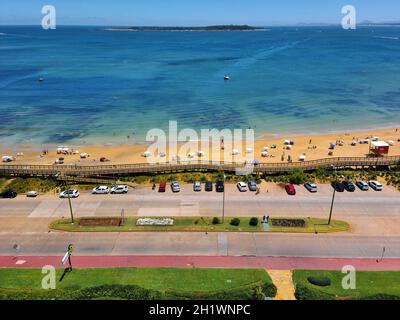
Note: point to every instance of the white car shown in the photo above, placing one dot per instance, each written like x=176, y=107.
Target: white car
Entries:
x=375, y=185
x=242, y=186
x=312, y=187
x=119, y=189
x=72, y=193
x=32, y=194
x=101, y=190
x=362, y=185
x=175, y=187
x=197, y=186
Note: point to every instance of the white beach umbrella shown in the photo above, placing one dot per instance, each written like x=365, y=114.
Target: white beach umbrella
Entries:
x=302, y=157
x=265, y=148
x=146, y=154
x=235, y=152
x=286, y=142
x=200, y=153
x=264, y=154
x=249, y=150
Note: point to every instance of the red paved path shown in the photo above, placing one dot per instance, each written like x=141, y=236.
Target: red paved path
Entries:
x=281, y=263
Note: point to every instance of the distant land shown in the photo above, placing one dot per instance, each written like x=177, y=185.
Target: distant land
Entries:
x=207, y=28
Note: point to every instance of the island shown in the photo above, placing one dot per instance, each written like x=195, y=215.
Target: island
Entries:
x=207, y=28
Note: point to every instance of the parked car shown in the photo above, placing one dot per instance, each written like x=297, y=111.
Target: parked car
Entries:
x=241, y=186
x=197, y=186
x=362, y=185
x=349, y=186
x=119, y=189
x=310, y=186
x=32, y=194
x=175, y=187
x=71, y=193
x=375, y=185
x=8, y=194
x=338, y=186
x=219, y=186
x=208, y=186
x=162, y=187
x=252, y=185
x=101, y=190
x=290, y=189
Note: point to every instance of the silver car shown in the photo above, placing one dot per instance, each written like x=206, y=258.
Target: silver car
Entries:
x=119, y=189
x=72, y=193
x=175, y=187
x=197, y=186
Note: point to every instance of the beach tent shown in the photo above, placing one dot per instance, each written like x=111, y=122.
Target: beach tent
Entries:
x=302, y=157
x=146, y=154
x=249, y=150
x=7, y=158
x=265, y=148
x=286, y=142
x=200, y=154
x=289, y=147
x=264, y=154
x=235, y=152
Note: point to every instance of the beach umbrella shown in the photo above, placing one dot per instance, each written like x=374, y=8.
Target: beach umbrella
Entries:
x=191, y=155
x=162, y=154
x=264, y=154
x=249, y=150
x=200, y=153
x=235, y=152
x=286, y=142
x=302, y=157
x=256, y=162
x=265, y=148
x=146, y=154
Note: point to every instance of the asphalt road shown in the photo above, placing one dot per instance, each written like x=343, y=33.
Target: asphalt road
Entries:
x=374, y=217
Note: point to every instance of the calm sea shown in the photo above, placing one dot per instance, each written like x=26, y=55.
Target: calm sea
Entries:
x=103, y=86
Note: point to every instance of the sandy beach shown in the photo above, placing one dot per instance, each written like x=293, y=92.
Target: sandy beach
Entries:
x=311, y=146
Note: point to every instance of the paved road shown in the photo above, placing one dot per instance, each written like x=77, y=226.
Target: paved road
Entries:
x=374, y=216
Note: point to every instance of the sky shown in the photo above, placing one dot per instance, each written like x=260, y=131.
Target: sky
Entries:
x=195, y=13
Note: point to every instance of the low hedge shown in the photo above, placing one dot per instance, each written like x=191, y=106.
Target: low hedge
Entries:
x=305, y=292
x=319, y=281
x=253, y=221
x=254, y=291
x=235, y=222
x=124, y=292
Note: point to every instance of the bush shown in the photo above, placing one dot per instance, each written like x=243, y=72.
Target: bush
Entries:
x=253, y=221
x=215, y=220
x=235, y=222
x=304, y=292
x=319, y=281
x=297, y=176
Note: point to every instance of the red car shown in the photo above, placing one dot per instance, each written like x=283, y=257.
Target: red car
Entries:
x=290, y=189
x=162, y=187
x=104, y=159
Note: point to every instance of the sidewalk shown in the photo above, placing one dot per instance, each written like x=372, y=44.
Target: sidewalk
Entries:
x=269, y=263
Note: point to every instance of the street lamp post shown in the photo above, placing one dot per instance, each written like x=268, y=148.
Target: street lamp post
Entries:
x=333, y=200
x=223, y=202
x=70, y=204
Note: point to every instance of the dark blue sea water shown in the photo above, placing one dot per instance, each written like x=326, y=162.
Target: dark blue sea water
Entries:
x=101, y=86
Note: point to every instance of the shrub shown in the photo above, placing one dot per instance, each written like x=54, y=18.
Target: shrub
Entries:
x=297, y=176
x=253, y=221
x=304, y=292
x=319, y=281
x=216, y=220
x=235, y=222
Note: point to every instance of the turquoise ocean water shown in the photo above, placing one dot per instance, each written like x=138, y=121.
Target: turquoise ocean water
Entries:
x=102, y=86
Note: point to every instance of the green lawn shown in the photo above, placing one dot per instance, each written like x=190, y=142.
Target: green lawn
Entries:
x=168, y=281
x=369, y=284
x=202, y=224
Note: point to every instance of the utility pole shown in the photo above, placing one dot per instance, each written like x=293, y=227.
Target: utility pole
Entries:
x=223, y=202
x=70, y=204
x=333, y=200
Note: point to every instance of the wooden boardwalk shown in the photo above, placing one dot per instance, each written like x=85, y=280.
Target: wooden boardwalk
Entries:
x=105, y=171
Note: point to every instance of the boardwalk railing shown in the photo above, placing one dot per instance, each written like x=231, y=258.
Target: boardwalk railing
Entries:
x=120, y=169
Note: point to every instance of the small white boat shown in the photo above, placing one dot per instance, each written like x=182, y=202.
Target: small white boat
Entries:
x=226, y=77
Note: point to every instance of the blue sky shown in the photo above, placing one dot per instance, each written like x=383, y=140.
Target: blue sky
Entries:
x=200, y=12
